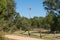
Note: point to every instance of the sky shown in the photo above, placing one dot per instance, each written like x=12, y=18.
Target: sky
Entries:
x=37, y=9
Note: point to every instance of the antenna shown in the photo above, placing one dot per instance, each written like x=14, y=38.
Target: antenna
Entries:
x=30, y=12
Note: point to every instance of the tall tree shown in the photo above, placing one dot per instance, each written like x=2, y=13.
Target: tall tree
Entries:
x=10, y=13
x=53, y=6
x=7, y=12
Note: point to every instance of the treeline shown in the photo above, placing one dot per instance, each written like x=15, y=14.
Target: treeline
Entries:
x=49, y=22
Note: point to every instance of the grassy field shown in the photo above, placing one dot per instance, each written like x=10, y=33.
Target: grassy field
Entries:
x=46, y=36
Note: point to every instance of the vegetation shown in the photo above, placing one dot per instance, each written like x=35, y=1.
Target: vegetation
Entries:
x=53, y=8
x=11, y=21
x=7, y=14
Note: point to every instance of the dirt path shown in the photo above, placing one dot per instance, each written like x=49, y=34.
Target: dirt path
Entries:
x=15, y=37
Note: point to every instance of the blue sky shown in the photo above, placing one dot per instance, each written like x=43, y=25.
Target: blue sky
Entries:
x=37, y=9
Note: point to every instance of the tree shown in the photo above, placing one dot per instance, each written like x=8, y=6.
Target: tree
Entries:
x=7, y=11
x=34, y=22
x=51, y=20
x=53, y=6
x=25, y=25
x=38, y=23
x=9, y=15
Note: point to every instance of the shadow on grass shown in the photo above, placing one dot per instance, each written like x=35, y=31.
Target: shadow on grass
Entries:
x=58, y=37
x=47, y=32
x=42, y=32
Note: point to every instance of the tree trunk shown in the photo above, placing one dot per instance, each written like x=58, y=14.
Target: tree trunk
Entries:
x=40, y=35
x=28, y=32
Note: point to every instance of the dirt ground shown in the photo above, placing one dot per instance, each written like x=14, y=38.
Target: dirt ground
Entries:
x=15, y=37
